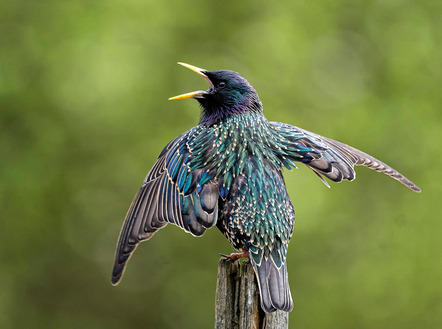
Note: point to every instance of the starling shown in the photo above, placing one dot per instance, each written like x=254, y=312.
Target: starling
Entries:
x=228, y=172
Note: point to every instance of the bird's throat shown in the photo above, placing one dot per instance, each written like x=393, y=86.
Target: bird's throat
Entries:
x=212, y=114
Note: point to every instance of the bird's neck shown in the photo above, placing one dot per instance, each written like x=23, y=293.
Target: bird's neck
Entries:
x=214, y=114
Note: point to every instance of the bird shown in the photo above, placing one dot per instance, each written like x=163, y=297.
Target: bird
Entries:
x=228, y=172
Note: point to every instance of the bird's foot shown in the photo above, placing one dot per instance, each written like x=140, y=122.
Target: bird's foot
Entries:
x=236, y=256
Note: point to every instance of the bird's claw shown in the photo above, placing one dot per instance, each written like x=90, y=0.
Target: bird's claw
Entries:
x=235, y=256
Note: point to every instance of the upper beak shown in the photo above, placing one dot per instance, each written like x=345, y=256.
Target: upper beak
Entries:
x=193, y=94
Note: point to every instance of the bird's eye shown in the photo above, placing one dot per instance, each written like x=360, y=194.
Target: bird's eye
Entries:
x=221, y=85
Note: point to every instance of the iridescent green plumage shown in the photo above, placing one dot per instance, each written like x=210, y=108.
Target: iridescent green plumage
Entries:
x=227, y=171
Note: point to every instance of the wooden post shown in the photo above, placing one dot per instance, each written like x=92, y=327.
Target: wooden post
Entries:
x=237, y=300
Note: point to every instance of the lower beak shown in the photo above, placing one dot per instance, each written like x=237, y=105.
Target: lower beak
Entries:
x=194, y=94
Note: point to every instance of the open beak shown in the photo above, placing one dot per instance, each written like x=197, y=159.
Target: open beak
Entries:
x=193, y=94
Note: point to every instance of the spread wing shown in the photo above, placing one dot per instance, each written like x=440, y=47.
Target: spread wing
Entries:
x=178, y=189
x=333, y=159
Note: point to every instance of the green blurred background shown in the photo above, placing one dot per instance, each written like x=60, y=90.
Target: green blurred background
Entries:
x=84, y=114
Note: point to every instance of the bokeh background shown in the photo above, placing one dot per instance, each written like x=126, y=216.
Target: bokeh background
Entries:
x=84, y=114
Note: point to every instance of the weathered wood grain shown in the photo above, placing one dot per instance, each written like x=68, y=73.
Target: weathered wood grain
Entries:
x=237, y=300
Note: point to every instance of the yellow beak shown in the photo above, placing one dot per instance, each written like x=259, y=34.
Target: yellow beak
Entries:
x=193, y=94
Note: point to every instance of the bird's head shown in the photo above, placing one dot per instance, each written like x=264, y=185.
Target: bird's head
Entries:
x=229, y=94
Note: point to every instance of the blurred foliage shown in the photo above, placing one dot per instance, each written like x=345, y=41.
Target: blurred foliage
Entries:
x=84, y=114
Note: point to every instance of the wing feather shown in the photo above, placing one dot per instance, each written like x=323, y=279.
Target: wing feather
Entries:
x=333, y=159
x=170, y=194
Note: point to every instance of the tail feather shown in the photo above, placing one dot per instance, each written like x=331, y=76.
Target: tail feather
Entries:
x=273, y=286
